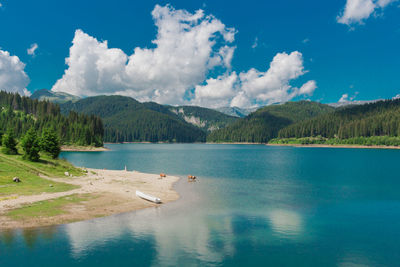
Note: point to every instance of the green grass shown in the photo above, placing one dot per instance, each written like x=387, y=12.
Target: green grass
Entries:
x=14, y=166
x=46, y=208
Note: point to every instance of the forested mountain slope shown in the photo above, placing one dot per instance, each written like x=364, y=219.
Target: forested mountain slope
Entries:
x=265, y=123
x=374, y=119
x=127, y=120
x=22, y=113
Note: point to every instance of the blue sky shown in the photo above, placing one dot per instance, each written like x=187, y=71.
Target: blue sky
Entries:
x=361, y=59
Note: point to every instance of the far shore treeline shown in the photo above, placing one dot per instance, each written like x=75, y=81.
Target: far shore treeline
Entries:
x=381, y=118
x=23, y=113
x=369, y=124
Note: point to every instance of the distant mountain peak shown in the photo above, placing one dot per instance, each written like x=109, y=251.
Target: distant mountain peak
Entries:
x=235, y=111
x=56, y=97
x=352, y=102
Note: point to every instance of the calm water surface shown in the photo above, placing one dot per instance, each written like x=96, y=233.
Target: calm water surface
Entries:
x=253, y=205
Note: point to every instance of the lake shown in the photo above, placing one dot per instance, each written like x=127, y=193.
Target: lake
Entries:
x=253, y=205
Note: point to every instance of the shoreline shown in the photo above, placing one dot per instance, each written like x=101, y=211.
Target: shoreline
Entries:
x=197, y=143
x=233, y=143
x=99, y=149
x=83, y=149
x=336, y=146
x=105, y=192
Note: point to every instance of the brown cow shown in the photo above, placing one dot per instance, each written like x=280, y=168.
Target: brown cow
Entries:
x=191, y=178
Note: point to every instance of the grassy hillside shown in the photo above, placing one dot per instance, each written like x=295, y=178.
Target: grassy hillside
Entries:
x=14, y=166
x=374, y=119
x=265, y=123
x=32, y=183
x=127, y=120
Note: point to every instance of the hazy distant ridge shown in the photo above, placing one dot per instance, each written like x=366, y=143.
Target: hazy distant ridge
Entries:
x=55, y=97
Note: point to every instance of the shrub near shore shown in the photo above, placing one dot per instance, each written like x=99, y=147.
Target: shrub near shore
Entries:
x=32, y=144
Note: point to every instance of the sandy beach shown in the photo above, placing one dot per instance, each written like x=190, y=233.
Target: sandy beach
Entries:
x=109, y=191
x=83, y=149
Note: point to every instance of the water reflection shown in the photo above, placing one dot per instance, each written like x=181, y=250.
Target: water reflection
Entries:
x=8, y=236
x=352, y=260
x=286, y=223
x=30, y=236
x=201, y=225
x=174, y=228
x=209, y=239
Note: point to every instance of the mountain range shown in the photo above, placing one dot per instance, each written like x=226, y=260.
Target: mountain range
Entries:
x=61, y=97
x=128, y=120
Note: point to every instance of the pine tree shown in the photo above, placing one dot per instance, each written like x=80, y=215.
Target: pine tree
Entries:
x=9, y=143
x=50, y=143
x=30, y=144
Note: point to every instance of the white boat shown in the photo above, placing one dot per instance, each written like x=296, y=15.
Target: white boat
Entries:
x=148, y=197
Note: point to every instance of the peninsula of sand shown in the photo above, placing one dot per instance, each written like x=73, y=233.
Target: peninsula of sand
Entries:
x=83, y=149
x=104, y=192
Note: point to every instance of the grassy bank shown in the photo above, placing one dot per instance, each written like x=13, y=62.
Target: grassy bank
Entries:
x=29, y=173
x=356, y=141
x=47, y=208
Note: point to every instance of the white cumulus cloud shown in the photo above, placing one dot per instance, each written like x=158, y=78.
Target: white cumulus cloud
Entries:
x=12, y=74
x=396, y=97
x=356, y=11
x=273, y=85
x=308, y=88
x=31, y=51
x=187, y=47
x=344, y=98
x=256, y=88
x=216, y=92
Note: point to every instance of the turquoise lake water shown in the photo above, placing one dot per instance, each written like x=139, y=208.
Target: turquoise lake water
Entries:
x=253, y=205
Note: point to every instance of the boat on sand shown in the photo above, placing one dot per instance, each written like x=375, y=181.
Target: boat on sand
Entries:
x=148, y=197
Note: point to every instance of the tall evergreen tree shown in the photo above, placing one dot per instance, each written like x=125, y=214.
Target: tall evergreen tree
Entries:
x=50, y=143
x=9, y=143
x=30, y=144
